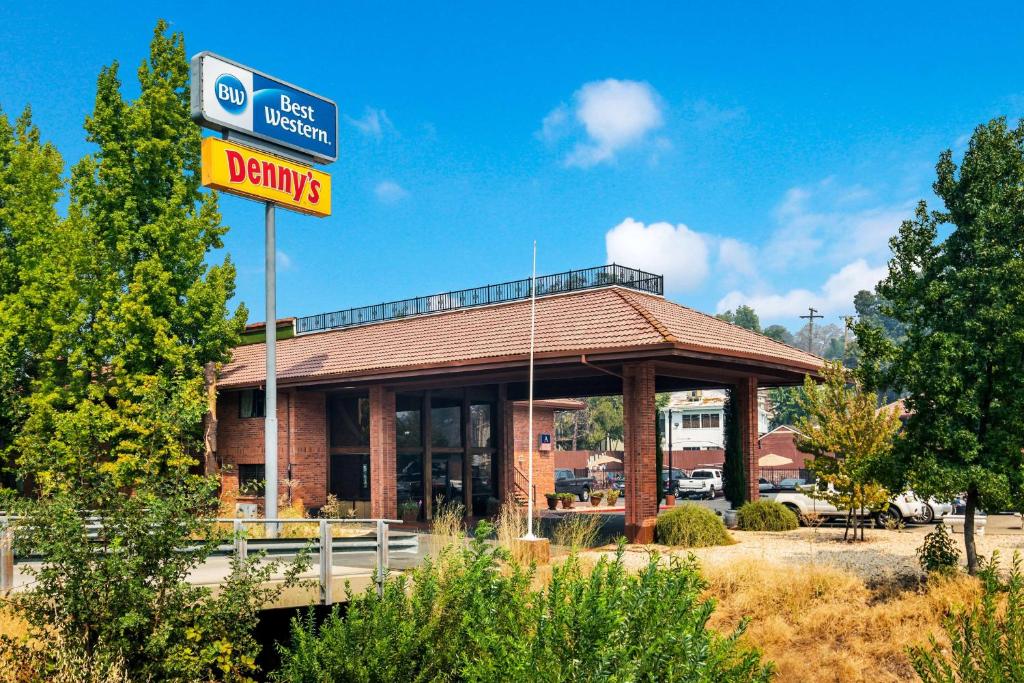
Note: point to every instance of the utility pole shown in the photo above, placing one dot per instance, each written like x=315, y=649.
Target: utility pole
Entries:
x=847, y=324
x=810, y=317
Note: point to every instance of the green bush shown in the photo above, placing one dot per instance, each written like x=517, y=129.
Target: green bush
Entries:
x=691, y=526
x=766, y=515
x=986, y=643
x=463, y=617
x=938, y=553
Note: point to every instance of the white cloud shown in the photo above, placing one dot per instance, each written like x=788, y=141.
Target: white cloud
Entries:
x=390, y=192
x=737, y=258
x=374, y=123
x=675, y=251
x=284, y=261
x=835, y=297
x=613, y=114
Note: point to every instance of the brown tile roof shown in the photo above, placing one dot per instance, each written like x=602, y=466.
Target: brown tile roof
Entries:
x=567, y=324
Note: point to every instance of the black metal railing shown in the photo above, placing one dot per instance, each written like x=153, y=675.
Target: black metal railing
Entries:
x=569, y=281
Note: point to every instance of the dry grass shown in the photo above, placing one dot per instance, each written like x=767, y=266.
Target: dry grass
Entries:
x=448, y=526
x=824, y=624
x=577, y=531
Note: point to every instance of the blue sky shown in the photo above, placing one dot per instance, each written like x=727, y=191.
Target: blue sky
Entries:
x=752, y=154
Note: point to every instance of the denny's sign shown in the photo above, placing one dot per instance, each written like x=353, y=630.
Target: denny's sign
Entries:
x=250, y=173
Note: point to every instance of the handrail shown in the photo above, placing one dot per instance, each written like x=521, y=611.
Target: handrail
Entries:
x=515, y=290
x=240, y=548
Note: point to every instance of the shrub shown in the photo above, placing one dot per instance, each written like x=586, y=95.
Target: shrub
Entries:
x=613, y=496
x=766, y=515
x=691, y=526
x=986, y=643
x=463, y=617
x=938, y=553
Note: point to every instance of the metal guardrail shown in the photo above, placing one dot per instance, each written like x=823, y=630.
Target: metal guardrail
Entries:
x=378, y=542
x=569, y=281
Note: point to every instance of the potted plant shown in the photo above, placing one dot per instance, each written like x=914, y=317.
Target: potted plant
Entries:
x=612, y=496
x=567, y=500
x=553, y=499
x=595, y=498
x=409, y=511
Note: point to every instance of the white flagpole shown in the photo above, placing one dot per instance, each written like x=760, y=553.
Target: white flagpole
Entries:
x=529, y=411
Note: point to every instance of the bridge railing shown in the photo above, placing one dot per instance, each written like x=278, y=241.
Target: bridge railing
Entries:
x=375, y=540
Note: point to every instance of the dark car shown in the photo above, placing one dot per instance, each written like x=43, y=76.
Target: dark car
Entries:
x=670, y=484
x=566, y=481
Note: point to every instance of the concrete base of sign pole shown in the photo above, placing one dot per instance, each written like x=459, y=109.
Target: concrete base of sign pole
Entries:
x=535, y=550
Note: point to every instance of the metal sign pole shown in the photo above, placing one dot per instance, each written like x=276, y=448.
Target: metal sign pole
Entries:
x=270, y=406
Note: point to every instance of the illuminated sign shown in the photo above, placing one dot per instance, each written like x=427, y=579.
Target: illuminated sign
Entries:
x=257, y=175
x=227, y=96
x=545, y=442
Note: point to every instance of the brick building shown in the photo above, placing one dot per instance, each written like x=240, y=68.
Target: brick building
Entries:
x=422, y=398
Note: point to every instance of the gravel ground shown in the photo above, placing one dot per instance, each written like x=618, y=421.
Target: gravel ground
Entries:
x=884, y=555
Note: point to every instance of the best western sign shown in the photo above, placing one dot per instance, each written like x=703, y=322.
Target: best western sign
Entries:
x=245, y=171
x=227, y=96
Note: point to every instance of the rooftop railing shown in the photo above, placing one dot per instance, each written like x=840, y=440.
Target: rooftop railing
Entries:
x=559, y=283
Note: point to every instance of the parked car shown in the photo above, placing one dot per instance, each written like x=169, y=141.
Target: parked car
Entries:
x=566, y=481
x=791, y=483
x=933, y=510
x=702, y=483
x=670, y=483
x=905, y=506
x=764, y=485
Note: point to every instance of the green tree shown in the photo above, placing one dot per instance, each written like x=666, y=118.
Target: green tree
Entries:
x=961, y=300
x=745, y=317
x=786, y=405
x=851, y=441
x=604, y=419
x=30, y=185
x=135, y=310
x=734, y=469
x=779, y=333
x=869, y=310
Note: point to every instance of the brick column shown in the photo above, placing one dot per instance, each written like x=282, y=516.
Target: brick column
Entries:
x=639, y=461
x=383, y=454
x=746, y=401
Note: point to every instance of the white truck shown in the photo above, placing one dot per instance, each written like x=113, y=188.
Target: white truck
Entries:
x=905, y=506
x=702, y=482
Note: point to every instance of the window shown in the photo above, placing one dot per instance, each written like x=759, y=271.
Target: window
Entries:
x=350, y=421
x=691, y=421
x=408, y=424
x=446, y=423
x=251, y=480
x=350, y=476
x=710, y=420
x=251, y=403
x=480, y=425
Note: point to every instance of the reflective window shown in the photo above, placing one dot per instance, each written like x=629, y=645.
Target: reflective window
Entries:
x=408, y=425
x=446, y=424
x=350, y=421
x=480, y=425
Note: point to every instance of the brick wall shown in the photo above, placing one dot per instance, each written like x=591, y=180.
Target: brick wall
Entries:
x=543, y=461
x=301, y=437
x=383, y=456
x=746, y=395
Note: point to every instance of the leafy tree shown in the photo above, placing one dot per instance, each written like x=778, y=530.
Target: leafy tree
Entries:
x=779, y=333
x=823, y=336
x=121, y=599
x=745, y=316
x=961, y=301
x=30, y=185
x=134, y=309
x=851, y=441
x=869, y=311
x=786, y=405
x=604, y=417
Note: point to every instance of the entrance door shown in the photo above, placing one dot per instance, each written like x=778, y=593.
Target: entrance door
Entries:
x=446, y=478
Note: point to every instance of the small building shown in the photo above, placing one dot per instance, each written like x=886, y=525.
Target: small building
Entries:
x=423, y=398
x=698, y=419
